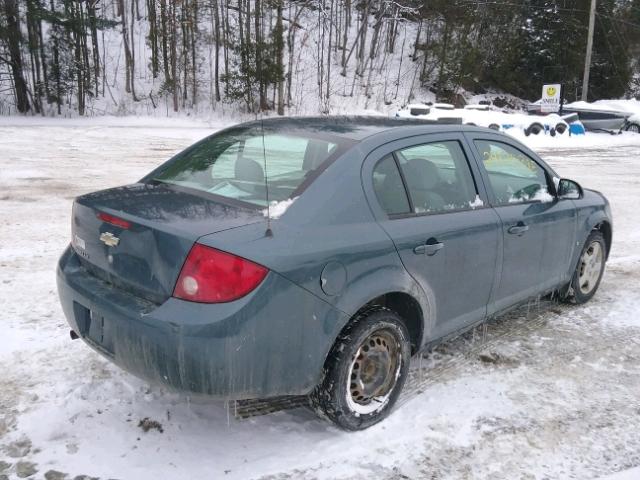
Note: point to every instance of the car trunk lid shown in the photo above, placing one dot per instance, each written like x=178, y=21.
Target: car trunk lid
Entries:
x=148, y=232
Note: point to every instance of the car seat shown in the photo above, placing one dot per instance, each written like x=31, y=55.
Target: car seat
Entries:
x=422, y=178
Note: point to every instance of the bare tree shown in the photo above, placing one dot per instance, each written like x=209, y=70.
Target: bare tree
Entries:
x=14, y=40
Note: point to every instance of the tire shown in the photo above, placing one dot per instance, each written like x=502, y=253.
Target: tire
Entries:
x=535, y=128
x=633, y=127
x=586, y=279
x=561, y=128
x=494, y=126
x=376, y=342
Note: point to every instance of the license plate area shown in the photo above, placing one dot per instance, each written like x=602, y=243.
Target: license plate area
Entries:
x=94, y=327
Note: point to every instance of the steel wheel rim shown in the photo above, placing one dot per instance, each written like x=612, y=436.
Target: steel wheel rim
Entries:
x=373, y=373
x=590, y=268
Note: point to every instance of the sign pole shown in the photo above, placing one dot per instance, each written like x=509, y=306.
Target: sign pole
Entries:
x=587, y=57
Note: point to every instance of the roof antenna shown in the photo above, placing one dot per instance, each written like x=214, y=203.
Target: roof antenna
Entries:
x=269, y=232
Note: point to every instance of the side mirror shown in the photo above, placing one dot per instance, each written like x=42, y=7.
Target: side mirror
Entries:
x=568, y=189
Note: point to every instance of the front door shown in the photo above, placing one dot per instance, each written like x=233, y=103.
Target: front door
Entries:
x=537, y=228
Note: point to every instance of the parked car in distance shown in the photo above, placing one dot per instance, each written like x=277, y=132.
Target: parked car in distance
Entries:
x=602, y=115
x=315, y=256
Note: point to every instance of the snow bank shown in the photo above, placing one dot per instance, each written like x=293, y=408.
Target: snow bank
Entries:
x=514, y=124
x=588, y=140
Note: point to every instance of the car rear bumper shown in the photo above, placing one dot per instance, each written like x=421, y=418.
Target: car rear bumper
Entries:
x=272, y=342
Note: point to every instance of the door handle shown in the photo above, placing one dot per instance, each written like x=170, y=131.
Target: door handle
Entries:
x=433, y=248
x=518, y=229
x=428, y=248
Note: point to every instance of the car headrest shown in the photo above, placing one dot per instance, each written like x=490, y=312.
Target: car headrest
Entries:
x=249, y=170
x=316, y=152
x=390, y=193
x=422, y=174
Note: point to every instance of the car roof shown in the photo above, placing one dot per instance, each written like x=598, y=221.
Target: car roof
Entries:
x=357, y=127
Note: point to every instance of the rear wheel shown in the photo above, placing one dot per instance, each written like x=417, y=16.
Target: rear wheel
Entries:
x=365, y=371
x=589, y=270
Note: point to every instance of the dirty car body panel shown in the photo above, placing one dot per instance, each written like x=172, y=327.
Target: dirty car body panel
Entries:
x=335, y=249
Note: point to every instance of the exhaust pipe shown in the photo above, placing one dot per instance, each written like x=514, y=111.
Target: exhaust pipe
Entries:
x=73, y=335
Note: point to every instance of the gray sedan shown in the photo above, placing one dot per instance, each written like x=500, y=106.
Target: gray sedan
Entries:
x=315, y=256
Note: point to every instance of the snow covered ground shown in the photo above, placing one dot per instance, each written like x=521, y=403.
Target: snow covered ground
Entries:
x=550, y=391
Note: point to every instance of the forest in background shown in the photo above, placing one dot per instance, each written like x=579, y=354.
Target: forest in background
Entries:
x=114, y=56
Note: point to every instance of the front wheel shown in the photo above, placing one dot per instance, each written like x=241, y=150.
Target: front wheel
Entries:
x=365, y=371
x=589, y=270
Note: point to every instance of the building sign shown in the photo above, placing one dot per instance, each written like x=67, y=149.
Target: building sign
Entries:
x=551, y=98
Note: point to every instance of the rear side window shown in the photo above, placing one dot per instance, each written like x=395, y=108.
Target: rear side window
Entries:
x=514, y=176
x=389, y=188
x=438, y=177
x=240, y=164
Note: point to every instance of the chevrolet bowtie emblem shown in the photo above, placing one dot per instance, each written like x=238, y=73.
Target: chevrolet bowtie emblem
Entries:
x=109, y=239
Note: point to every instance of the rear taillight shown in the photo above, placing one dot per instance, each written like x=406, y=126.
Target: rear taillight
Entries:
x=212, y=276
x=118, y=222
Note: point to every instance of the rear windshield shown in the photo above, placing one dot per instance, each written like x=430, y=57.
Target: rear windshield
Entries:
x=241, y=164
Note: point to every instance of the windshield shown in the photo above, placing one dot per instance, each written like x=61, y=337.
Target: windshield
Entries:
x=240, y=164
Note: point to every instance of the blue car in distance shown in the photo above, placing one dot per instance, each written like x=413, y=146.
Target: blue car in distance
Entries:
x=315, y=256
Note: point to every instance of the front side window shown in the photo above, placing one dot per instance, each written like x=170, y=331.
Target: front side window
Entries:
x=438, y=177
x=514, y=176
x=242, y=164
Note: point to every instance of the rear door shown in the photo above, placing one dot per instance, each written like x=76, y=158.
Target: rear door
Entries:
x=537, y=228
x=424, y=193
